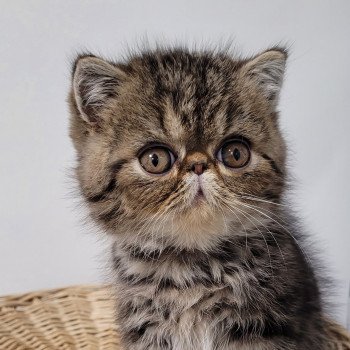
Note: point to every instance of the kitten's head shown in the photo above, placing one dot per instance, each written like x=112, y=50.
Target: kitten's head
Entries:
x=173, y=145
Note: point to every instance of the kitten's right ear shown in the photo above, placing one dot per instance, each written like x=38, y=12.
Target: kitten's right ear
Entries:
x=267, y=71
x=94, y=82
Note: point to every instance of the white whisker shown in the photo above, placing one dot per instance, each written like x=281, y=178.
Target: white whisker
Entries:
x=244, y=214
x=258, y=199
x=282, y=226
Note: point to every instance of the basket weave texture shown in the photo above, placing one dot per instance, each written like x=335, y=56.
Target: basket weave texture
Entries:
x=79, y=317
x=70, y=318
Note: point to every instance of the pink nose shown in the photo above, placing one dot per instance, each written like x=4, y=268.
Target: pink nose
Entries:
x=196, y=162
x=198, y=168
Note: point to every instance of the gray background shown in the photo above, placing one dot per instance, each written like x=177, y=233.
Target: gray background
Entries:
x=43, y=241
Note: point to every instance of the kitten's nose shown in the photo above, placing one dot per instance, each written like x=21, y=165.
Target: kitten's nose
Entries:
x=197, y=162
x=198, y=168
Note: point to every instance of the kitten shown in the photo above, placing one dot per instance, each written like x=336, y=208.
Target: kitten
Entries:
x=181, y=160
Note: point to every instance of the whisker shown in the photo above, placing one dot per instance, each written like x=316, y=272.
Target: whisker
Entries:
x=258, y=199
x=268, y=211
x=287, y=230
x=268, y=249
x=245, y=230
x=273, y=237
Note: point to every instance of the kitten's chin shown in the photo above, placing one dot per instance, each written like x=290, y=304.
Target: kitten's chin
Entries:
x=198, y=227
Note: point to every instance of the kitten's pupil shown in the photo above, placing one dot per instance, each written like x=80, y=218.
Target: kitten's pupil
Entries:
x=154, y=159
x=236, y=154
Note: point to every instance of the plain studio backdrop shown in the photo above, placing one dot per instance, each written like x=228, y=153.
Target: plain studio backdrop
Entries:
x=43, y=241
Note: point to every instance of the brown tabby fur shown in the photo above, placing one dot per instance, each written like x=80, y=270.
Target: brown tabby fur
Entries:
x=224, y=273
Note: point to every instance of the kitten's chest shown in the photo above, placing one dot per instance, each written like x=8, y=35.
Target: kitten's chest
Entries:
x=198, y=303
x=180, y=320
x=197, y=318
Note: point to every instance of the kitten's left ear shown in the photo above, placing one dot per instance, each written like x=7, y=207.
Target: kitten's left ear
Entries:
x=267, y=70
x=95, y=81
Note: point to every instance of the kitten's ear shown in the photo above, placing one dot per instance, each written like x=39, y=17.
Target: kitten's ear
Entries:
x=94, y=82
x=267, y=70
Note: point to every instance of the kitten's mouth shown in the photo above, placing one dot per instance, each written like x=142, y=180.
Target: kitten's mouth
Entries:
x=199, y=196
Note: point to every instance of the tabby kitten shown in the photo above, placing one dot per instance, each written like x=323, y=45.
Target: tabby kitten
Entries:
x=181, y=160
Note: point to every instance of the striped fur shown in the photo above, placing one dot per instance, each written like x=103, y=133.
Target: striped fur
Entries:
x=226, y=272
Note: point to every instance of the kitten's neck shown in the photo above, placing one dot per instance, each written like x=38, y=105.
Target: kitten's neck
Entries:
x=150, y=247
x=200, y=238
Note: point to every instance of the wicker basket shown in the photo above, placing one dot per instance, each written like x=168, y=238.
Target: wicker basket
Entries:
x=77, y=318
x=70, y=318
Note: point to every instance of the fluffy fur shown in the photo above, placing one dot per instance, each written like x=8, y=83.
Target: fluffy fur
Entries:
x=225, y=272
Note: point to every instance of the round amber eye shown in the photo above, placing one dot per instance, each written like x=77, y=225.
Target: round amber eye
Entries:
x=234, y=154
x=156, y=160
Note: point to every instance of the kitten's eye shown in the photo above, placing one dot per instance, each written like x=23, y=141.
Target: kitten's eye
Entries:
x=157, y=160
x=234, y=154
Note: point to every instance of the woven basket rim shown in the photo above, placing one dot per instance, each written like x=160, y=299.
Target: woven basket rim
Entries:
x=42, y=294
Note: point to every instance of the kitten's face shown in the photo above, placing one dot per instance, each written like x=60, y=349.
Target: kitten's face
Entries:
x=172, y=144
